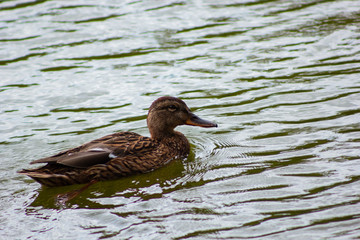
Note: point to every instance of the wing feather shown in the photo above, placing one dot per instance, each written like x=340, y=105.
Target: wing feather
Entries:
x=101, y=150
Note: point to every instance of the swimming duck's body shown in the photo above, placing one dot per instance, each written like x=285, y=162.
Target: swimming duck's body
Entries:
x=124, y=153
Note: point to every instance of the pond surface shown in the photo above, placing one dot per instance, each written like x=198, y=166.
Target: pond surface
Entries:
x=281, y=79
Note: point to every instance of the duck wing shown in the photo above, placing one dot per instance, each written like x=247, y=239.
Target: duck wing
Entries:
x=101, y=151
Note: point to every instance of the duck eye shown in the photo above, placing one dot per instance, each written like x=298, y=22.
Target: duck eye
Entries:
x=172, y=108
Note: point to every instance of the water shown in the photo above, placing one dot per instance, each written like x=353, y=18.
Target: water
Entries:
x=281, y=78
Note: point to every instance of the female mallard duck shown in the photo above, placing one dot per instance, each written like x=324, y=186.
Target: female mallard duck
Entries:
x=124, y=153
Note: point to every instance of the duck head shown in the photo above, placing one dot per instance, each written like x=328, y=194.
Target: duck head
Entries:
x=166, y=113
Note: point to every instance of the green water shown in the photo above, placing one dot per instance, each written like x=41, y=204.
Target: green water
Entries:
x=281, y=79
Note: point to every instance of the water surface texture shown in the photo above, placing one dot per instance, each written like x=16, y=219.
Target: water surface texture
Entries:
x=281, y=79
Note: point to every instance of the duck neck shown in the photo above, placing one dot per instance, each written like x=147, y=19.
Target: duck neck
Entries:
x=173, y=139
x=163, y=134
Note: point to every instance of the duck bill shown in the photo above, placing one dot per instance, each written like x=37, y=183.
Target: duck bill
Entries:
x=196, y=121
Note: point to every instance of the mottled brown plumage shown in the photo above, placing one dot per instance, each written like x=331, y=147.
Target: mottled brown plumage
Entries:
x=124, y=153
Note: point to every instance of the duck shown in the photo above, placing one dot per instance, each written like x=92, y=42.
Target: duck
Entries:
x=123, y=153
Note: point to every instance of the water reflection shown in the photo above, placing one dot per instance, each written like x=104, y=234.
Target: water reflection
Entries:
x=142, y=187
